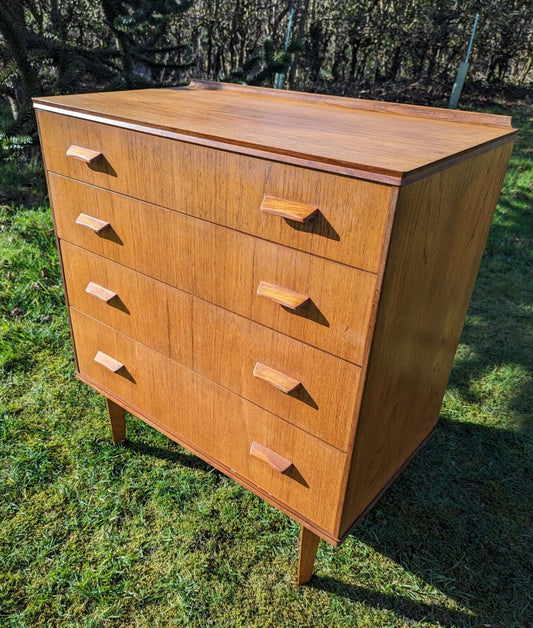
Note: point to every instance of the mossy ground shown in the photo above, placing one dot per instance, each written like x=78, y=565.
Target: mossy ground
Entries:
x=148, y=535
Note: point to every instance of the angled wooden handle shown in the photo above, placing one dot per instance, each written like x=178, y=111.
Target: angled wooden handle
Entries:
x=87, y=155
x=284, y=296
x=100, y=292
x=279, y=380
x=288, y=209
x=277, y=462
x=110, y=363
x=90, y=222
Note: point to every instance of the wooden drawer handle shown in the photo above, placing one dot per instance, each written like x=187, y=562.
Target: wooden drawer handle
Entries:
x=284, y=296
x=87, y=155
x=100, y=292
x=109, y=362
x=288, y=209
x=279, y=380
x=90, y=222
x=277, y=462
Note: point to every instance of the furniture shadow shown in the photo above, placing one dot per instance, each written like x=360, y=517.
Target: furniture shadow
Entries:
x=179, y=457
x=319, y=225
x=302, y=394
x=102, y=165
x=455, y=519
x=111, y=235
x=118, y=304
x=403, y=607
x=310, y=311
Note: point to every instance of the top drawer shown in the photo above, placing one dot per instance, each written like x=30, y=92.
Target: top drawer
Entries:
x=227, y=188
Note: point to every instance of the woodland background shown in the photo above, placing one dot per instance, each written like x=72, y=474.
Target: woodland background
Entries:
x=406, y=50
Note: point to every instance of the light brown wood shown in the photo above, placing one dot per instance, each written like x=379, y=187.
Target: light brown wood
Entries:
x=393, y=144
x=291, y=210
x=192, y=254
x=86, y=155
x=308, y=548
x=349, y=228
x=117, y=420
x=95, y=224
x=100, y=292
x=108, y=362
x=284, y=296
x=281, y=381
x=362, y=224
x=417, y=111
x=214, y=421
x=277, y=462
x=220, y=345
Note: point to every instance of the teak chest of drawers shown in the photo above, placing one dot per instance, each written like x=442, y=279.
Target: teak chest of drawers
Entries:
x=277, y=281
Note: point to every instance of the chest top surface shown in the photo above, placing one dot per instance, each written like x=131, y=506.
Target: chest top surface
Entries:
x=383, y=139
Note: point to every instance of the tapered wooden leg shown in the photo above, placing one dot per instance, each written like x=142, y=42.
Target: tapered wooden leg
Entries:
x=308, y=548
x=117, y=418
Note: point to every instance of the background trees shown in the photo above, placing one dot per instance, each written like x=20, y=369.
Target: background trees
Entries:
x=353, y=47
x=62, y=46
x=350, y=44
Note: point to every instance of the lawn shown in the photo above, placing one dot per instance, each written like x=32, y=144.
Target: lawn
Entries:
x=148, y=535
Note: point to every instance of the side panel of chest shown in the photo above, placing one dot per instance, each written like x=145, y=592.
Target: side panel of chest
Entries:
x=440, y=229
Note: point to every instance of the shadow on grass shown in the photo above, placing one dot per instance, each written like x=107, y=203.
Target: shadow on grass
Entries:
x=170, y=454
x=459, y=519
x=409, y=610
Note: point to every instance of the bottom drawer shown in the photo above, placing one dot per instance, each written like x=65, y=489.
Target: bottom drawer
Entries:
x=217, y=424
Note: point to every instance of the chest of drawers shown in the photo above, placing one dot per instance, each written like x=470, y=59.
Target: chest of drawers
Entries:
x=277, y=281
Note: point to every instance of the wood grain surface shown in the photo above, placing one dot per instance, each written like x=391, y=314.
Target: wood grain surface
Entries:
x=273, y=459
x=351, y=214
x=86, y=155
x=92, y=223
x=98, y=291
x=108, y=362
x=282, y=296
x=281, y=381
x=308, y=547
x=219, y=345
x=117, y=421
x=440, y=229
x=223, y=266
x=291, y=210
x=396, y=143
x=214, y=420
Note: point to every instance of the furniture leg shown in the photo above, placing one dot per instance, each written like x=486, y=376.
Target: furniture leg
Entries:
x=117, y=418
x=308, y=548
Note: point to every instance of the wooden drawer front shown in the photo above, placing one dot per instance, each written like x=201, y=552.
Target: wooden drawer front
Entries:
x=227, y=188
x=217, y=344
x=222, y=266
x=216, y=423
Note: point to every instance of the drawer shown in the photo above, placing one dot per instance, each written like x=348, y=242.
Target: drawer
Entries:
x=227, y=188
x=223, y=266
x=226, y=348
x=217, y=424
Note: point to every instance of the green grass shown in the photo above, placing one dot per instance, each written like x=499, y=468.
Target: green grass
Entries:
x=148, y=535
